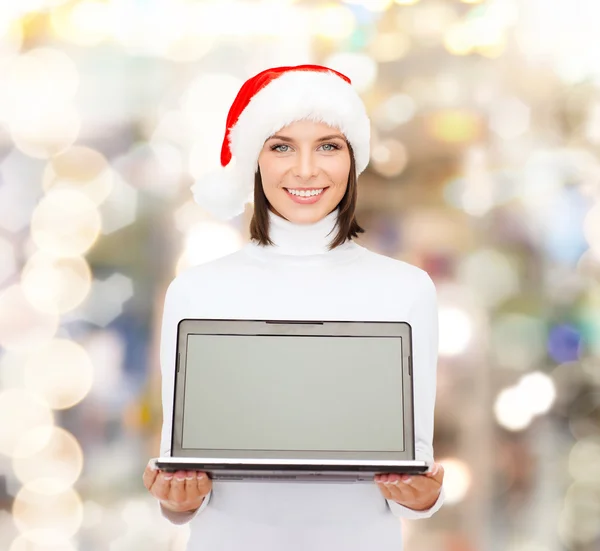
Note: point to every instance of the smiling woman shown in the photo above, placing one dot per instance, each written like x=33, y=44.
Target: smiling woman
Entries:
x=305, y=171
x=297, y=139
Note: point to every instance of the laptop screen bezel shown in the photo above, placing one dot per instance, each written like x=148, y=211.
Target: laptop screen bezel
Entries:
x=393, y=329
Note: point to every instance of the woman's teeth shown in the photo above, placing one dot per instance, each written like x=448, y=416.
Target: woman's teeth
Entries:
x=309, y=193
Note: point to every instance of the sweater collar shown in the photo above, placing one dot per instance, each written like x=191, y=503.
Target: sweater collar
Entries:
x=302, y=239
x=304, y=244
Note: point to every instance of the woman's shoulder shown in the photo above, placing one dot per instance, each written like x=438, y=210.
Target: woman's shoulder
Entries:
x=207, y=272
x=395, y=268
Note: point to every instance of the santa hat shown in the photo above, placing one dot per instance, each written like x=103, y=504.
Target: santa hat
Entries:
x=266, y=103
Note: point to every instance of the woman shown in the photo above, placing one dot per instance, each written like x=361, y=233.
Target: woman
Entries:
x=296, y=140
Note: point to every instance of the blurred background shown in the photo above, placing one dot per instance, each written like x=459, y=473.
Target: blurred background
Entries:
x=484, y=172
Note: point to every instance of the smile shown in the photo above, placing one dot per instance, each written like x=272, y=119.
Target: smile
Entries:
x=305, y=196
x=306, y=192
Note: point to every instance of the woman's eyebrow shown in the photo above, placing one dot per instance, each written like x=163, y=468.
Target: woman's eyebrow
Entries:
x=288, y=139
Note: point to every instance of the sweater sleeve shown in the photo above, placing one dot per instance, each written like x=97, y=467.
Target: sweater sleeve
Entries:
x=172, y=315
x=423, y=317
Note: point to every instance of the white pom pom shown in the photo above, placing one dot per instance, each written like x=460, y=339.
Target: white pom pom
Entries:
x=223, y=192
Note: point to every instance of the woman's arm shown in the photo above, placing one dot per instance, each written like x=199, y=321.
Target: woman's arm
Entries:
x=423, y=317
x=172, y=314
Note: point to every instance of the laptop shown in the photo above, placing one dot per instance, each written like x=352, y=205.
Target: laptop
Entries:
x=277, y=400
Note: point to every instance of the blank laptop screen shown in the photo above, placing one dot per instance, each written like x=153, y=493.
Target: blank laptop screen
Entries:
x=277, y=392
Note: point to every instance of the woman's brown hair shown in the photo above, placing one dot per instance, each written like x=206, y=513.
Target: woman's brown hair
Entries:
x=346, y=222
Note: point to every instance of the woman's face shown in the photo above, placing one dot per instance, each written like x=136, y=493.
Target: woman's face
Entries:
x=302, y=158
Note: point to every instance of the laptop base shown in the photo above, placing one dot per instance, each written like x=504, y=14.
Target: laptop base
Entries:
x=308, y=473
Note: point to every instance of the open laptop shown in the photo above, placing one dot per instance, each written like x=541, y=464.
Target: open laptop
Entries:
x=327, y=401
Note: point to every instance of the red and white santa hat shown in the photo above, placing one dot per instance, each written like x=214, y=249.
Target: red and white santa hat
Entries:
x=266, y=103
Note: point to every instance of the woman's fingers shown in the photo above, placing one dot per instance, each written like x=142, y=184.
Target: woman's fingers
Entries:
x=162, y=486
x=203, y=483
x=402, y=493
x=415, y=491
x=182, y=490
x=435, y=467
x=149, y=476
x=198, y=486
x=418, y=484
x=437, y=473
x=385, y=491
x=178, y=493
x=393, y=487
x=191, y=486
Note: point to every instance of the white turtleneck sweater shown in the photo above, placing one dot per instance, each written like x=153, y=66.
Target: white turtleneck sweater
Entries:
x=349, y=283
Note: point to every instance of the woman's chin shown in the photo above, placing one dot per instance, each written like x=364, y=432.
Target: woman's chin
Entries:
x=303, y=214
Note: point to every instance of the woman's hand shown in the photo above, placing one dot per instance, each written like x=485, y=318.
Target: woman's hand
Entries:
x=181, y=491
x=417, y=492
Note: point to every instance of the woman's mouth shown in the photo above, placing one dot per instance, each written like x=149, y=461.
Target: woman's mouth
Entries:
x=305, y=196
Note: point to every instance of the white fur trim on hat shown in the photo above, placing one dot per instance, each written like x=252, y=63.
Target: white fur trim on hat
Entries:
x=221, y=192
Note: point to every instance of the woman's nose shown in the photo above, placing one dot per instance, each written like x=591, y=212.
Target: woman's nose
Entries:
x=306, y=166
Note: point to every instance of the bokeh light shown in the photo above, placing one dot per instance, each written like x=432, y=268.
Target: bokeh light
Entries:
x=389, y=157
x=45, y=69
x=58, y=463
x=578, y=522
x=26, y=411
x=21, y=324
x=11, y=369
x=454, y=126
x=510, y=118
x=207, y=241
x=564, y=343
x=105, y=303
x=482, y=30
x=60, y=371
x=540, y=390
x=518, y=341
x=142, y=164
x=188, y=215
x=45, y=134
x=333, y=21
x=457, y=479
x=588, y=265
x=455, y=331
x=387, y=47
x=11, y=41
x=516, y=406
x=65, y=223
x=41, y=125
x=85, y=23
x=16, y=199
x=8, y=264
x=360, y=68
x=490, y=274
x=204, y=108
x=22, y=543
x=120, y=209
x=209, y=96
x=47, y=518
x=591, y=228
x=373, y=5
x=56, y=285
x=524, y=545
x=394, y=111
x=584, y=461
x=512, y=409
x=82, y=169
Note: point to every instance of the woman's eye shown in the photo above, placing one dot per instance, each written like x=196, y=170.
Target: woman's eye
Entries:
x=283, y=148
